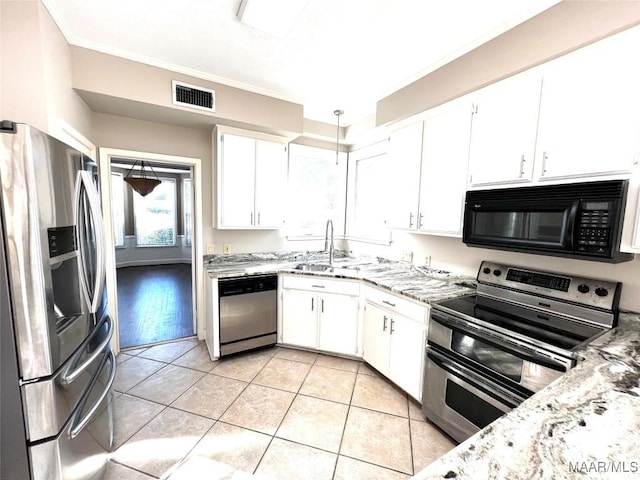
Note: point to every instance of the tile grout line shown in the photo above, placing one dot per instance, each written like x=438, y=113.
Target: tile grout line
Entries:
x=413, y=467
x=295, y=393
x=215, y=421
x=346, y=420
x=285, y=414
x=134, y=469
x=165, y=407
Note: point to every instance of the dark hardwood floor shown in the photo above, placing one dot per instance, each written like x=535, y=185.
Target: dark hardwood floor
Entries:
x=154, y=304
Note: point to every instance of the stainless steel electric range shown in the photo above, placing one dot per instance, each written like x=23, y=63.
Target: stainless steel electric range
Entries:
x=488, y=352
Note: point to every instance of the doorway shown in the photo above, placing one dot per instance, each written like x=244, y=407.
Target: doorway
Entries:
x=153, y=278
x=152, y=237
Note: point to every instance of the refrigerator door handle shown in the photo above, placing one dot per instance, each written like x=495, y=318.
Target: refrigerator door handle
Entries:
x=79, y=426
x=68, y=377
x=85, y=181
x=77, y=194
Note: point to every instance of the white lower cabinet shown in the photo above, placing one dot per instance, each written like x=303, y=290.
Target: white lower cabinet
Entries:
x=300, y=318
x=324, y=314
x=320, y=314
x=394, y=336
x=375, y=338
x=338, y=324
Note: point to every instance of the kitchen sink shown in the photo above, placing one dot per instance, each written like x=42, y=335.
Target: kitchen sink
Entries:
x=313, y=267
x=324, y=267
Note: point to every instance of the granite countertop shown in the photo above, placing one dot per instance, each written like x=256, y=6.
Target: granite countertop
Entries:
x=424, y=284
x=586, y=424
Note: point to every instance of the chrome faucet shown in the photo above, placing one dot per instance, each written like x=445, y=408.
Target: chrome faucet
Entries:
x=328, y=247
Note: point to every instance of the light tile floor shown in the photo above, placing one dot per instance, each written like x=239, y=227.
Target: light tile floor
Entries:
x=278, y=413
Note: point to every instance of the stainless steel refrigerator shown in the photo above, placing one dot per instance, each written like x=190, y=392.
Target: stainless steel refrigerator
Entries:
x=56, y=361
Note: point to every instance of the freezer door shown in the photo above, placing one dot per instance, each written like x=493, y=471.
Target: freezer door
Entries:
x=80, y=451
x=14, y=462
x=49, y=403
x=53, y=228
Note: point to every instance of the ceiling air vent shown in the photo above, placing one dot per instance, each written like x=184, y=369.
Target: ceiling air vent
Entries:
x=193, y=97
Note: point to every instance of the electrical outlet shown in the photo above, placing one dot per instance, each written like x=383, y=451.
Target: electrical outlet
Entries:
x=427, y=261
x=211, y=249
x=227, y=248
x=407, y=256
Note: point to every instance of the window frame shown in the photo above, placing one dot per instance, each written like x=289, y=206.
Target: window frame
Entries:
x=187, y=206
x=294, y=231
x=114, y=215
x=136, y=200
x=355, y=229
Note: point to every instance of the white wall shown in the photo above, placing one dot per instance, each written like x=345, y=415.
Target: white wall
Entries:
x=132, y=256
x=35, y=66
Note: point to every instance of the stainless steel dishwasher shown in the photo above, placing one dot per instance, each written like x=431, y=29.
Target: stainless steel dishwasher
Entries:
x=247, y=312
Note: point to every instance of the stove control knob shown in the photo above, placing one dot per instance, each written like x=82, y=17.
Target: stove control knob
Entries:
x=497, y=272
x=582, y=288
x=486, y=270
x=602, y=292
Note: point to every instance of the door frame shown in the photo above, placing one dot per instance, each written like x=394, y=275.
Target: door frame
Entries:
x=197, y=266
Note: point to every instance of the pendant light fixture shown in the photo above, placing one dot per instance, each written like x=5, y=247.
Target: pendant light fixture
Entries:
x=142, y=184
x=337, y=113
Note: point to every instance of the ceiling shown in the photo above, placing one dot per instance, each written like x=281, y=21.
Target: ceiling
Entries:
x=339, y=54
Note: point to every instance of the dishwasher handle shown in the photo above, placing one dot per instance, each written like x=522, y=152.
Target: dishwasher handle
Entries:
x=228, y=287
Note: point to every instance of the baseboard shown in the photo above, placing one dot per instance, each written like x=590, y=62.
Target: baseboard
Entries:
x=146, y=263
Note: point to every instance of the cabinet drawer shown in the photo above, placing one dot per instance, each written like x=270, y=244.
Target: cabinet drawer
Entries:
x=396, y=304
x=321, y=285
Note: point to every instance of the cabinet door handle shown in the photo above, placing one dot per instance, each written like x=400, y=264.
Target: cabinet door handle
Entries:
x=258, y=218
x=391, y=329
x=322, y=306
x=384, y=323
x=251, y=218
x=312, y=304
x=544, y=162
x=317, y=286
x=410, y=219
x=420, y=217
x=389, y=303
x=522, y=160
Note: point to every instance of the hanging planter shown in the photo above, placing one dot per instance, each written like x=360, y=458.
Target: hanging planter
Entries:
x=142, y=184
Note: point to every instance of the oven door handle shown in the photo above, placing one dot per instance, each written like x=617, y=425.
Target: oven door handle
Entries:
x=521, y=352
x=503, y=398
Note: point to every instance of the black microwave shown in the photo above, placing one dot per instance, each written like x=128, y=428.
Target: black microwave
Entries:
x=579, y=220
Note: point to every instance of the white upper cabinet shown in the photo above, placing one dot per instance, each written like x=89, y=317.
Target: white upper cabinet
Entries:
x=445, y=157
x=270, y=184
x=503, y=135
x=236, y=179
x=405, y=154
x=590, y=110
x=252, y=176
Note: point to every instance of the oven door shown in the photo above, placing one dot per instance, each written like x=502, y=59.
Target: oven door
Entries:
x=459, y=400
x=503, y=357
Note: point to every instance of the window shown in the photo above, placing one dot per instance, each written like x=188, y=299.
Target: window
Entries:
x=368, y=202
x=316, y=189
x=117, y=208
x=187, y=207
x=155, y=215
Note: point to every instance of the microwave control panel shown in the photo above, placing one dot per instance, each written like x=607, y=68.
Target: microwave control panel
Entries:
x=594, y=228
